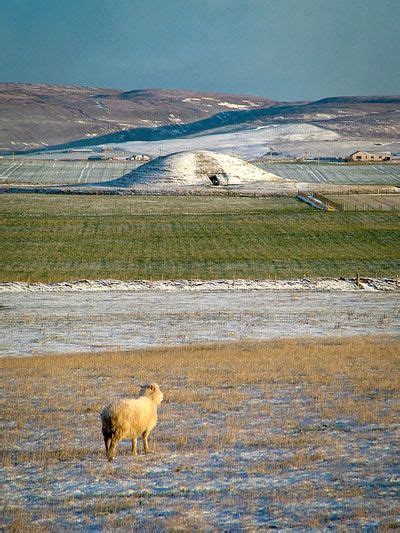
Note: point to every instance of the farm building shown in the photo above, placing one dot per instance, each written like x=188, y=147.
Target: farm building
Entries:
x=363, y=156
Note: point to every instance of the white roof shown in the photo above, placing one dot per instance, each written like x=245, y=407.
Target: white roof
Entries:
x=370, y=153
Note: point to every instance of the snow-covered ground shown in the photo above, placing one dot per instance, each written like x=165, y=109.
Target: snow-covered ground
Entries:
x=194, y=168
x=79, y=320
x=288, y=435
x=247, y=143
x=289, y=139
x=242, y=448
x=324, y=284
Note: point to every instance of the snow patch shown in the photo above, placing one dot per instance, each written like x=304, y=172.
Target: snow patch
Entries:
x=173, y=118
x=250, y=103
x=325, y=284
x=191, y=100
x=232, y=106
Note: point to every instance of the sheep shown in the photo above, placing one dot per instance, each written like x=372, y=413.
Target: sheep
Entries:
x=129, y=418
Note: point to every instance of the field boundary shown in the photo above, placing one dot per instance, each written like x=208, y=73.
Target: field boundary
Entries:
x=268, y=192
x=365, y=202
x=114, y=191
x=327, y=201
x=323, y=284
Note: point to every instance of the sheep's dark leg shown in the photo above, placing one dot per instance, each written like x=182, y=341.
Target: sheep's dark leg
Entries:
x=145, y=434
x=134, y=446
x=112, y=447
x=107, y=441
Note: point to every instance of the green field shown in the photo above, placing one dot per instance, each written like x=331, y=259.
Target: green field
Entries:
x=54, y=238
x=367, y=202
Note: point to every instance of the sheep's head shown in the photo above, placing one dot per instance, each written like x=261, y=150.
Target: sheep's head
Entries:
x=152, y=390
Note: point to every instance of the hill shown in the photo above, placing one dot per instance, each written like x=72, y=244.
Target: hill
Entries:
x=37, y=115
x=41, y=116
x=201, y=168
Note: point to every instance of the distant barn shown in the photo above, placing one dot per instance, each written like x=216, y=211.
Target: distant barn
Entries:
x=363, y=156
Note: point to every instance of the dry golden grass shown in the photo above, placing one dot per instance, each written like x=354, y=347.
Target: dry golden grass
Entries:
x=286, y=396
x=354, y=378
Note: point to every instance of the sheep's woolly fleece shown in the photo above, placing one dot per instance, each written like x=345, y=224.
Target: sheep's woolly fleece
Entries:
x=130, y=417
x=194, y=168
x=326, y=284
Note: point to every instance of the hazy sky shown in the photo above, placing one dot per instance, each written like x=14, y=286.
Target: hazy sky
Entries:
x=283, y=49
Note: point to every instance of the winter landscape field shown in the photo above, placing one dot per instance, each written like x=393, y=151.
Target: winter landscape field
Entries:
x=199, y=198
x=280, y=434
x=289, y=420
x=272, y=328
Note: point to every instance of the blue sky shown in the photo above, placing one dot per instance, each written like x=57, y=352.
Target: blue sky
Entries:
x=282, y=49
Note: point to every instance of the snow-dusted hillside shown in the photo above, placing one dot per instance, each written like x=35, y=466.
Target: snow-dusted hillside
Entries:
x=38, y=115
x=247, y=142
x=160, y=121
x=293, y=140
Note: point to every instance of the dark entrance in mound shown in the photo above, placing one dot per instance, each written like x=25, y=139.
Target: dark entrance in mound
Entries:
x=219, y=178
x=214, y=179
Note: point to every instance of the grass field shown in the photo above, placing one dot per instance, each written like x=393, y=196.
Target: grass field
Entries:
x=40, y=171
x=367, y=202
x=61, y=172
x=55, y=238
x=281, y=434
x=340, y=174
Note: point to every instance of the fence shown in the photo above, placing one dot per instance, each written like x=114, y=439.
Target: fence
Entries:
x=366, y=202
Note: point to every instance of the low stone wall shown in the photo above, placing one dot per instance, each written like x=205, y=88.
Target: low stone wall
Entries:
x=189, y=191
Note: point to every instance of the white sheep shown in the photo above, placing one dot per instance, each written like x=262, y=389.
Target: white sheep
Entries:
x=129, y=418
